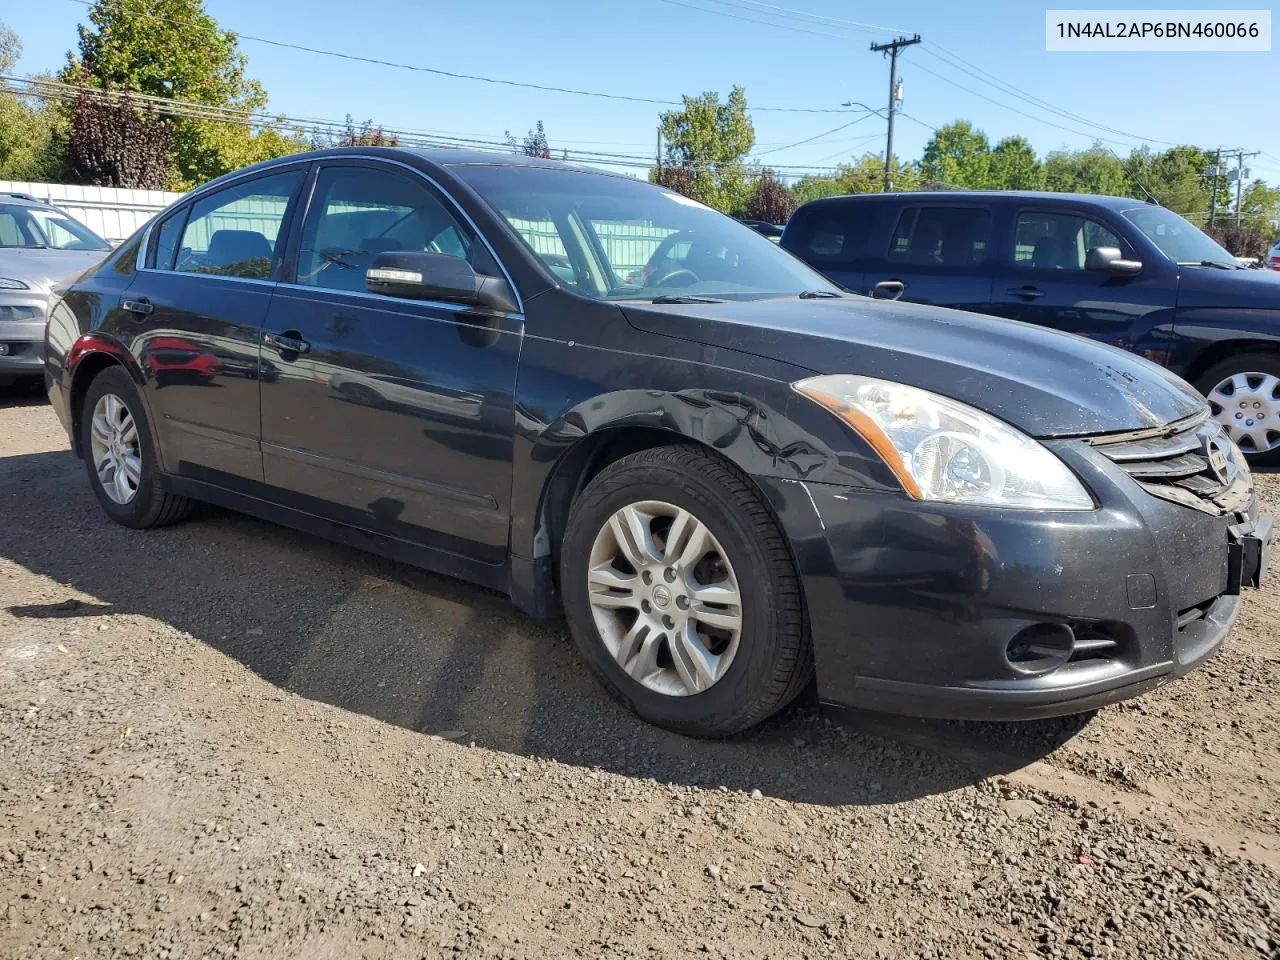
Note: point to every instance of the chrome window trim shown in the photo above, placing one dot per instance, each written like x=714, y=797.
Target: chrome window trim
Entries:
x=140, y=261
x=449, y=200
x=383, y=298
x=209, y=276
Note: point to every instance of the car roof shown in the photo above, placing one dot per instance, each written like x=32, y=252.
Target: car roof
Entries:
x=25, y=200
x=952, y=196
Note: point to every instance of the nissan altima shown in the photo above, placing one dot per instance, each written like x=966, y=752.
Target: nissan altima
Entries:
x=614, y=403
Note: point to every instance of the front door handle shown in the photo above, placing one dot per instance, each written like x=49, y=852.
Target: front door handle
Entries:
x=888, y=290
x=1028, y=292
x=141, y=307
x=284, y=343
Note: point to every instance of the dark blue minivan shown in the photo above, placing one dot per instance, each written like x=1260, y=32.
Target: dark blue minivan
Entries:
x=1131, y=274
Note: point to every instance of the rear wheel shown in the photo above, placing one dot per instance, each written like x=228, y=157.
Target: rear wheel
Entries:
x=1244, y=396
x=681, y=593
x=119, y=456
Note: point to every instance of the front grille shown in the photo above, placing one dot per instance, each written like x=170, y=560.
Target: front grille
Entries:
x=1191, y=462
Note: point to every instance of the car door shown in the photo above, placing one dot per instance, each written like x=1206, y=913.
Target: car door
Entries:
x=941, y=253
x=1042, y=279
x=196, y=309
x=387, y=413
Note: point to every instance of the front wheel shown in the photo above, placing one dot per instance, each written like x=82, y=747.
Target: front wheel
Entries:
x=681, y=593
x=1244, y=396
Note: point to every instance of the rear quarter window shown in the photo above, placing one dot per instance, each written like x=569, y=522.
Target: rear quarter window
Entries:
x=945, y=236
x=833, y=233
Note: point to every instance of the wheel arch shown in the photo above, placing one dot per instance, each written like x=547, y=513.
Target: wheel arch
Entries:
x=1220, y=350
x=89, y=356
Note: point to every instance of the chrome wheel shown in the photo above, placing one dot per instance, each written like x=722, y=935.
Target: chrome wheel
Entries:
x=113, y=439
x=664, y=598
x=1248, y=406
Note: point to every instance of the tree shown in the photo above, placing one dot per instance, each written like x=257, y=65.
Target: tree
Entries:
x=535, y=143
x=365, y=135
x=771, y=202
x=864, y=176
x=1178, y=178
x=680, y=179
x=114, y=143
x=1013, y=165
x=712, y=139
x=957, y=155
x=1096, y=170
x=30, y=131
x=174, y=49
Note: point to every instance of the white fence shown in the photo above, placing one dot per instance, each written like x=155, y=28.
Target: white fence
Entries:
x=113, y=214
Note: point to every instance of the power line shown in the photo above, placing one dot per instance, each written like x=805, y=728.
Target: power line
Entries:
x=819, y=136
x=456, y=75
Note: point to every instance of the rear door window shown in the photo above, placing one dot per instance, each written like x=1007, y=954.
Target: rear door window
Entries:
x=942, y=236
x=835, y=234
x=233, y=232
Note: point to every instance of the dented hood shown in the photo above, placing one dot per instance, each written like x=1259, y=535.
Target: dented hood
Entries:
x=1046, y=383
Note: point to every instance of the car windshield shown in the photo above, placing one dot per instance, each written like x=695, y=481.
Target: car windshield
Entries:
x=614, y=238
x=34, y=227
x=1177, y=239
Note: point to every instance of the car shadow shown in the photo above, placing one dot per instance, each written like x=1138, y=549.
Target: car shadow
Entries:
x=23, y=393
x=438, y=656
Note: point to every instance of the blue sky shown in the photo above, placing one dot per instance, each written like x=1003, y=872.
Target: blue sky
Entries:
x=661, y=49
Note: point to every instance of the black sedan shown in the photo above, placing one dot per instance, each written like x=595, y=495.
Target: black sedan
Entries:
x=604, y=398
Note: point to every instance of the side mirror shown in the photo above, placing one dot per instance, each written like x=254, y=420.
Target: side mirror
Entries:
x=416, y=275
x=1111, y=260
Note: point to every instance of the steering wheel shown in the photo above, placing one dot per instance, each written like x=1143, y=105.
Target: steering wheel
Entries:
x=677, y=273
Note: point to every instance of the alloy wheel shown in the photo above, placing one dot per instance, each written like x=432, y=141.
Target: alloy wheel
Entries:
x=113, y=441
x=664, y=598
x=1248, y=406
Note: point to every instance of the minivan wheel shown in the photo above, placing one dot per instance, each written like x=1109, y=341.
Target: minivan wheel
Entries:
x=681, y=593
x=119, y=456
x=1244, y=396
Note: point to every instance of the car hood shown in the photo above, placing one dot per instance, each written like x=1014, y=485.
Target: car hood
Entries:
x=41, y=269
x=1211, y=287
x=1046, y=383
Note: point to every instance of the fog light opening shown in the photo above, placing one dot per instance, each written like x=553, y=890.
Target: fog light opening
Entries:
x=1040, y=648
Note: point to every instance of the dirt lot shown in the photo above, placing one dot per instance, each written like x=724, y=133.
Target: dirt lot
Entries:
x=226, y=739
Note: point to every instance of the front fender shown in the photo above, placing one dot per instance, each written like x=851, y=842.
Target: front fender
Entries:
x=756, y=422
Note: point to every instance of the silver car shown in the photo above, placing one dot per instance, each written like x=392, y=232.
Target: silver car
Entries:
x=40, y=247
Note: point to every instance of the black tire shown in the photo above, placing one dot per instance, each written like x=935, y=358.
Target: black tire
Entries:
x=774, y=660
x=152, y=505
x=1264, y=363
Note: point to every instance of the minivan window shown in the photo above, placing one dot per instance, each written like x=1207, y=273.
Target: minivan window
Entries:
x=626, y=240
x=837, y=234
x=1057, y=241
x=358, y=213
x=940, y=236
x=1177, y=239
x=233, y=232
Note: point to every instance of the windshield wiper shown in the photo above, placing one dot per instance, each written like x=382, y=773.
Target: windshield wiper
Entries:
x=1209, y=263
x=818, y=294
x=686, y=298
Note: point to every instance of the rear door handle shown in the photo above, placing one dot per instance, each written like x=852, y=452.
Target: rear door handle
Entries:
x=1030, y=293
x=141, y=307
x=283, y=343
x=888, y=290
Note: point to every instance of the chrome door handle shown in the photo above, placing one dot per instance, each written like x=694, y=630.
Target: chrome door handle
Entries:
x=283, y=343
x=142, y=307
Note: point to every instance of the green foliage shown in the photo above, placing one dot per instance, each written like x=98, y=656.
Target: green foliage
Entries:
x=1013, y=165
x=535, y=143
x=957, y=155
x=712, y=139
x=30, y=132
x=173, y=48
x=1096, y=170
x=864, y=176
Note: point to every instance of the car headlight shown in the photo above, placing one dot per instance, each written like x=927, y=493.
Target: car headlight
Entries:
x=7, y=284
x=941, y=449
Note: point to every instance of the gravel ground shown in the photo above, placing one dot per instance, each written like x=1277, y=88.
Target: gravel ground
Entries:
x=226, y=739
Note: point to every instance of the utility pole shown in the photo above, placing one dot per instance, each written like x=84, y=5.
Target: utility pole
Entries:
x=658, y=155
x=1241, y=173
x=1213, y=197
x=892, y=48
